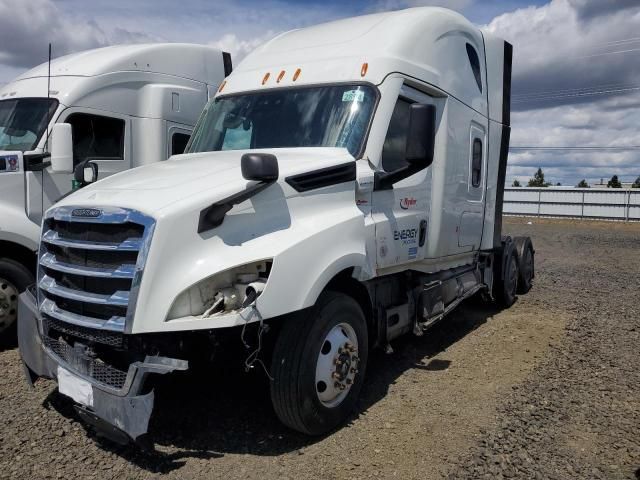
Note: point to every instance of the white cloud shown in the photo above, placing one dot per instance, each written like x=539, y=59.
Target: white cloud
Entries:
x=27, y=27
x=552, y=44
x=458, y=5
x=240, y=48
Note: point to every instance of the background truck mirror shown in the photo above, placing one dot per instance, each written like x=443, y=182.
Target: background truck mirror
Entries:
x=85, y=173
x=61, y=148
x=421, y=135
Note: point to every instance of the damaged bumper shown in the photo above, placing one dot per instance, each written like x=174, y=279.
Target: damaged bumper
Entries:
x=112, y=401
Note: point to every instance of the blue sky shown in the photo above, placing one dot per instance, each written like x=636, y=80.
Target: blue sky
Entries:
x=576, y=62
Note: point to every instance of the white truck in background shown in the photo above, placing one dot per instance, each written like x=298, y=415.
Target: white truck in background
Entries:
x=344, y=187
x=119, y=107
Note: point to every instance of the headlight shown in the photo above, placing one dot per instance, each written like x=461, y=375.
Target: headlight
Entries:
x=223, y=292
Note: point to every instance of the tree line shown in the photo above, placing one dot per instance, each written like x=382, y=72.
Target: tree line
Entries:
x=538, y=180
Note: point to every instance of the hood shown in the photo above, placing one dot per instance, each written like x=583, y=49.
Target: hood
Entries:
x=196, y=179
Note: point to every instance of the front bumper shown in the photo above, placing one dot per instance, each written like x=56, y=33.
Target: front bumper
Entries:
x=121, y=414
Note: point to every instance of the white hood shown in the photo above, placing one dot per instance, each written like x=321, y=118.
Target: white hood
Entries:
x=191, y=180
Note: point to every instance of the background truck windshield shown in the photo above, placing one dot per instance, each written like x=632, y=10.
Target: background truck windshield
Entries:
x=23, y=121
x=331, y=116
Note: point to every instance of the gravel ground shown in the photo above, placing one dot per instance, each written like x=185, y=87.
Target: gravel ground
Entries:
x=547, y=389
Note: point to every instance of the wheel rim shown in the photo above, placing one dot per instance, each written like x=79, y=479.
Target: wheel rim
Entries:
x=8, y=303
x=337, y=365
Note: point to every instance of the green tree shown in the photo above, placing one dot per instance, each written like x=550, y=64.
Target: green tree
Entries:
x=538, y=180
x=583, y=184
x=516, y=183
x=636, y=184
x=614, y=182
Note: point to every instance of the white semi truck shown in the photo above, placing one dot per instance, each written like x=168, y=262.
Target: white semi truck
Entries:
x=344, y=187
x=119, y=107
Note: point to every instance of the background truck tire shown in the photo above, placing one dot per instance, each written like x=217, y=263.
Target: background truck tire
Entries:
x=307, y=341
x=14, y=279
x=526, y=267
x=505, y=289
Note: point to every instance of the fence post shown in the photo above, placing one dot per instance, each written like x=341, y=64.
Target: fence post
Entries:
x=627, y=207
x=582, y=212
x=539, y=201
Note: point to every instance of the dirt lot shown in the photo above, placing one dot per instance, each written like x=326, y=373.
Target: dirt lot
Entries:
x=547, y=389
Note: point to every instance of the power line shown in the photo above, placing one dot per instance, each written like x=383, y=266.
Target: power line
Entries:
x=576, y=148
x=578, y=94
x=573, y=90
x=610, y=53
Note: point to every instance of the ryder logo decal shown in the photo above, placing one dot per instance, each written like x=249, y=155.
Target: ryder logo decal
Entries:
x=407, y=203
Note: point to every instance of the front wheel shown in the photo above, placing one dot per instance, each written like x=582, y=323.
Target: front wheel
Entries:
x=14, y=279
x=319, y=364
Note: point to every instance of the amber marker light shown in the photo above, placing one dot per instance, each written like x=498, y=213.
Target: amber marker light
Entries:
x=265, y=78
x=363, y=70
x=222, y=85
x=281, y=76
x=296, y=75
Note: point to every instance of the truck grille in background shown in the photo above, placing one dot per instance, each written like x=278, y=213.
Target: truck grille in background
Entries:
x=90, y=269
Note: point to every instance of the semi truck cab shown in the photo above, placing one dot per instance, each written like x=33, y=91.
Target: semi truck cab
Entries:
x=118, y=107
x=344, y=187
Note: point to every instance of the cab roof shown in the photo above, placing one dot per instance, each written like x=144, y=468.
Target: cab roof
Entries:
x=195, y=62
x=427, y=43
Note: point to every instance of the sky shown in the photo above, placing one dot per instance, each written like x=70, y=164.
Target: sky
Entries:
x=576, y=77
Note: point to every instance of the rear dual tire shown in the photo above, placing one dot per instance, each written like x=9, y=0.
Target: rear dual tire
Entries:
x=319, y=364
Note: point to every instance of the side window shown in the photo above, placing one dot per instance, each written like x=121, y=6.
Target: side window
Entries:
x=476, y=163
x=474, y=60
x=179, y=143
x=96, y=137
x=395, y=144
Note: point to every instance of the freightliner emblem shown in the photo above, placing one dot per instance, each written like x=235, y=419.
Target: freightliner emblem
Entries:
x=86, y=212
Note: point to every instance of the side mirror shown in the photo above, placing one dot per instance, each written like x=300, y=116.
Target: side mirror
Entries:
x=85, y=173
x=61, y=148
x=262, y=167
x=421, y=137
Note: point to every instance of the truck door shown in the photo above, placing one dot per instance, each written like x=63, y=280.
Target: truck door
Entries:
x=401, y=212
x=101, y=137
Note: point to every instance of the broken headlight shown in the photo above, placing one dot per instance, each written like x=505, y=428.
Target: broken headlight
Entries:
x=223, y=292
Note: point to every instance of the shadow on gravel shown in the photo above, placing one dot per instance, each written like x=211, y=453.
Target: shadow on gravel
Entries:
x=208, y=415
x=8, y=340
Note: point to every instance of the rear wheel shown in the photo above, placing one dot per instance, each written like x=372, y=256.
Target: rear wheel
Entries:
x=506, y=287
x=526, y=269
x=14, y=279
x=319, y=364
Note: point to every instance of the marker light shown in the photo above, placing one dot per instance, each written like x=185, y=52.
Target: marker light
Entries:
x=265, y=78
x=296, y=75
x=363, y=70
x=222, y=85
x=280, y=76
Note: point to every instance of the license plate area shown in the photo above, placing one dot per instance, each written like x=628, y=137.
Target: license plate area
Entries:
x=75, y=387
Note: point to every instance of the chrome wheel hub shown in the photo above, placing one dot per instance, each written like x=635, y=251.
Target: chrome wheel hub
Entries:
x=337, y=365
x=8, y=303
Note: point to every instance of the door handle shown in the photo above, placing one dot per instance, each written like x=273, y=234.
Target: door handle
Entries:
x=423, y=232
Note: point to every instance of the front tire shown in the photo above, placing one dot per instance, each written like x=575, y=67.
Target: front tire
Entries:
x=319, y=364
x=14, y=279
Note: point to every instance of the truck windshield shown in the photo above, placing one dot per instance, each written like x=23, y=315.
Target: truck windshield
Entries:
x=23, y=121
x=330, y=116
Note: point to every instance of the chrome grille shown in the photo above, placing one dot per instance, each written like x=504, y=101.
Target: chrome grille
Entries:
x=90, y=268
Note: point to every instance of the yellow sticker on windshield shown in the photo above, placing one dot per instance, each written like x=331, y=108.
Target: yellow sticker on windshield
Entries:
x=353, y=96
